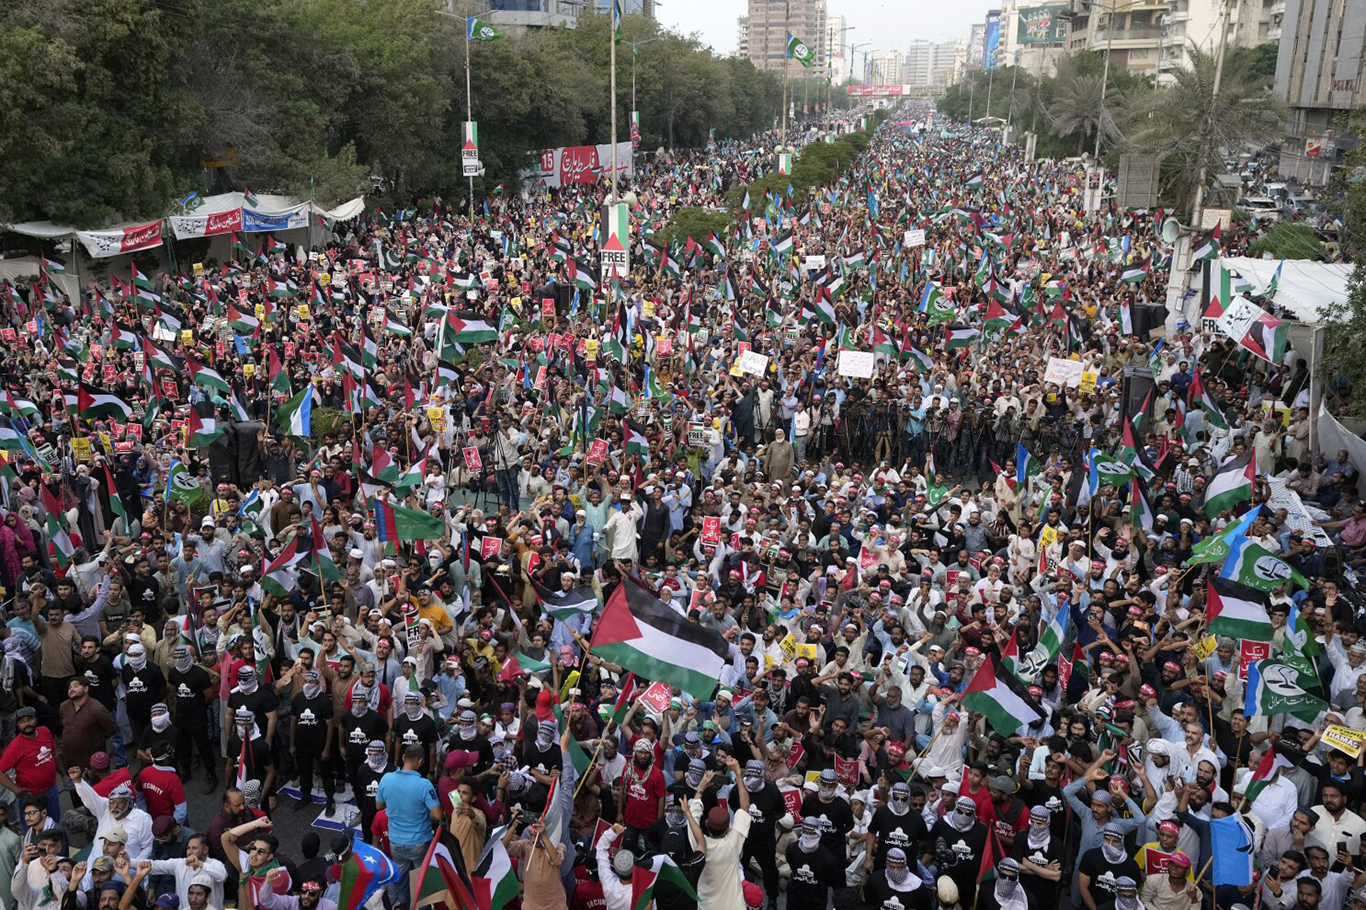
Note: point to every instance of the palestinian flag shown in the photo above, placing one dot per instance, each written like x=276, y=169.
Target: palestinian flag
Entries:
x=244, y=323
x=714, y=245
x=633, y=437
x=1200, y=397
x=1140, y=509
x=122, y=337
x=640, y=633
x=883, y=343
x=583, y=276
x=53, y=267
x=782, y=243
x=92, y=402
x=201, y=374
x=975, y=181
x=416, y=473
x=1137, y=274
x=323, y=564
x=115, y=500
x=997, y=697
x=469, y=328
x=346, y=358
x=18, y=407
x=171, y=317
x=625, y=697
x=395, y=326
x=825, y=311
x=279, y=576
x=495, y=882
x=959, y=336
x=1209, y=249
x=923, y=362
x=1270, y=765
x=1236, y=610
x=440, y=880
x=369, y=349
x=1267, y=337
x=518, y=662
x=618, y=402
x=278, y=377
x=1232, y=485
x=394, y=524
x=857, y=261
x=201, y=431
x=662, y=868
x=59, y=541
x=295, y=416
x=577, y=601
x=998, y=318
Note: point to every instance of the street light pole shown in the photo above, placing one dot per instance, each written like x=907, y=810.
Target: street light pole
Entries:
x=1105, y=76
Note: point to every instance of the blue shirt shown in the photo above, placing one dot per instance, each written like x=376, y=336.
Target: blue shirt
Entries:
x=408, y=797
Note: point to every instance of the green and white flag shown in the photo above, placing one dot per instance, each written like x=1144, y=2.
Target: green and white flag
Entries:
x=482, y=31
x=798, y=50
x=183, y=486
x=1283, y=687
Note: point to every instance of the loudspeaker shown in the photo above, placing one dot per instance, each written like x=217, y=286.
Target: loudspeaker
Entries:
x=248, y=465
x=1171, y=230
x=564, y=298
x=223, y=460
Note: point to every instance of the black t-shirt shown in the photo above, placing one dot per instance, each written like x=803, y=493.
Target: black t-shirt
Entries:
x=191, y=711
x=260, y=703
x=1044, y=892
x=149, y=739
x=258, y=755
x=366, y=785
x=766, y=806
x=144, y=593
x=102, y=679
x=144, y=688
x=813, y=875
x=356, y=733
x=878, y=891
x=907, y=832
x=311, y=717
x=836, y=818
x=421, y=732
x=1051, y=798
x=479, y=745
x=987, y=900
x=1103, y=873
x=961, y=857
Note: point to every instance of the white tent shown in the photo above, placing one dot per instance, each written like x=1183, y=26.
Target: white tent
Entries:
x=1306, y=288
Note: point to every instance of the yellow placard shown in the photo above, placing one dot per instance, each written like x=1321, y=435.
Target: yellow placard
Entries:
x=806, y=650
x=813, y=777
x=1088, y=381
x=437, y=418
x=107, y=442
x=248, y=369
x=516, y=303
x=303, y=311
x=1344, y=739
x=1205, y=647
x=768, y=661
x=187, y=337
x=1048, y=536
x=735, y=369
x=789, y=646
x=324, y=279
x=199, y=270
x=1281, y=413
x=649, y=309
x=221, y=507
x=260, y=312
x=80, y=448
x=570, y=682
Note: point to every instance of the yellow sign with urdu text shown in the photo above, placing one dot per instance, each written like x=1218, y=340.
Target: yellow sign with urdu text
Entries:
x=324, y=279
x=303, y=311
x=248, y=369
x=1048, y=536
x=1205, y=647
x=80, y=448
x=187, y=337
x=1088, y=381
x=437, y=418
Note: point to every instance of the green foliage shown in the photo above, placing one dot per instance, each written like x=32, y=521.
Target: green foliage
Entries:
x=330, y=420
x=1290, y=240
x=111, y=106
x=1346, y=197
x=692, y=222
x=1344, y=328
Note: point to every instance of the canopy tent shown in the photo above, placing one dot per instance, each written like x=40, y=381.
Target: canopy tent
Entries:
x=1306, y=288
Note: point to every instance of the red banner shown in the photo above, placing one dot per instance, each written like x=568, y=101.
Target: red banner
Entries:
x=846, y=772
x=103, y=244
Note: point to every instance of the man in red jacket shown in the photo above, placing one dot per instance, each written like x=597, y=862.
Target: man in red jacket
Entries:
x=160, y=787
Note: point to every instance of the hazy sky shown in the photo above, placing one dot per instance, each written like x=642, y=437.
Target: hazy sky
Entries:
x=891, y=24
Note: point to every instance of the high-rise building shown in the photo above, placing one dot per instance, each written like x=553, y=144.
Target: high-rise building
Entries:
x=834, y=45
x=770, y=21
x=927, y=63
x=1318, y=84
x=1135, y=41
x=884, y=68
x=742, y=37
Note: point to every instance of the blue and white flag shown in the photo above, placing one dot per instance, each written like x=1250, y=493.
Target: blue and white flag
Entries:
x=1231, y=843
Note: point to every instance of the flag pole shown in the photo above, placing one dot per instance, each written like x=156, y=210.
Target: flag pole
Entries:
x=469, y=109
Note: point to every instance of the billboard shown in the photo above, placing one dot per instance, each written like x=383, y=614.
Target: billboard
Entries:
x=873, y=91
x=1041, y=25
x=578, y=164
x=992, y=39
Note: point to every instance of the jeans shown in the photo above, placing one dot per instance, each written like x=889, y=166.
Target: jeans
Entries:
x=407, y=857
x=507, y=487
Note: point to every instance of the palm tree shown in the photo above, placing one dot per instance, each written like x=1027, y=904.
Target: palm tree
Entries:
x=1080, y=109
x=1190, y=127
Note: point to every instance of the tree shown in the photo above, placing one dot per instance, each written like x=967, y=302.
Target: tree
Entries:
x=1345, y=323
x=1079, y=109
x=1190, y=126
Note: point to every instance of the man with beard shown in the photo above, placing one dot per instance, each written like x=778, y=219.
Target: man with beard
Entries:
x=1173, y=889
x=311, y=729
x=1096, y=814
x=235, y=812
x=359, y=726
x=895, y=826
x=766, y=806
x=344, y=677
x=1048, y=792
x=815, y=869
x=196, y=865
x=1006, y=893
x=467, y=739
x=414, y=726
x=832, y=812
x=958, y=840
x=1100, y=869
x=641, y=792
x=1040, y=854
x=896, y=882
x=192, y=689
x=310, y=895
x=1005, y=812
x=118, y=811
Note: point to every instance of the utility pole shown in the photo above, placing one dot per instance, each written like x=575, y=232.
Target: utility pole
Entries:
x=787, y=64
x=469, y=107
x=1199, y=212
x=612, y=44
x=1105, y=77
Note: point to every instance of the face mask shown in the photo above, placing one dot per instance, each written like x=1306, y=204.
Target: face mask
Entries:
x=376, y=762
x=1113, y=853
x=899, y=804
x=898, y=876
x=961, y=820
x=467, y=732
x=312, y=690
x=544, y=738
x=247, y=685
x=693, y=778
x=183, y=664
x=414, y=712
x=754, y=782
x=827, y=793
x=160, y=722
x=674, y=818
x=137, y=662
x=808, y=843
x=359, y=707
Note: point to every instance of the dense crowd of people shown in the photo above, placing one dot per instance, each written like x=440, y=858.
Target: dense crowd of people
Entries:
x=970, y=617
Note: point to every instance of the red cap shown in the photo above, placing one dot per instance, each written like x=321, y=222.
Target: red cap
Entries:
x=543, y=703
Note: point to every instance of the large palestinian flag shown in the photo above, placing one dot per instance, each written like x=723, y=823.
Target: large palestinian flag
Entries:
x=998, y=698
x=1232, y=485
x=640, y=633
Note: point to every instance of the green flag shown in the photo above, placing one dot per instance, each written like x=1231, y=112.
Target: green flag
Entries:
x=798, y=50
x=482, y=31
